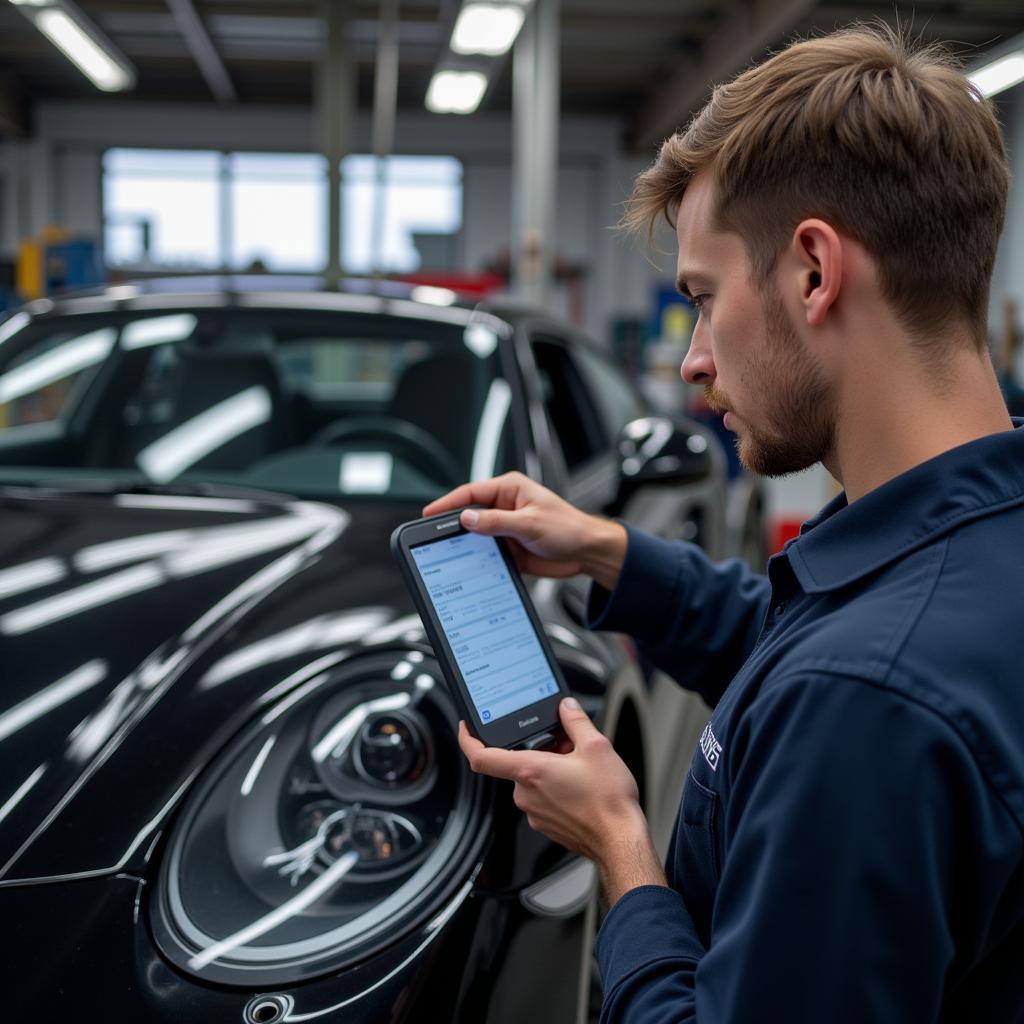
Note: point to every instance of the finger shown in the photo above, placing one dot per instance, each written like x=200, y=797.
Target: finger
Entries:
x=493, y=761
x=577, y=724
x=495, y=522
x=480, y=492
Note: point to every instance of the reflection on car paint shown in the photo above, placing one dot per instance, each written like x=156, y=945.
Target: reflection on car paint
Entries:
x=77, y=682
x=276, y=917
x=315, y=634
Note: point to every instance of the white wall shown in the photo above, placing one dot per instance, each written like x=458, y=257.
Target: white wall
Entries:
x=55, y=179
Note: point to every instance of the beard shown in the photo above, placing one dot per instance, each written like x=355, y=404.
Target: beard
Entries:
x=801, y=415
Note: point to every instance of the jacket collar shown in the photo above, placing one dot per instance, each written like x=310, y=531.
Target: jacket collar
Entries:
x=844, y=542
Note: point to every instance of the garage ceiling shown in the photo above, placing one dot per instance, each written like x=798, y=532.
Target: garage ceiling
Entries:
x=646, y=60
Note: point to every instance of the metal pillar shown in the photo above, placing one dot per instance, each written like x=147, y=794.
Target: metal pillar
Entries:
x=385, y=103
x=535, y=102
x=336, y=97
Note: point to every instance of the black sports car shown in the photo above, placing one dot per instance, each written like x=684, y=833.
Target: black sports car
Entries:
x=229, y=783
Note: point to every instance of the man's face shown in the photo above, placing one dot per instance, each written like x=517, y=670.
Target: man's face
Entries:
x=745, y=350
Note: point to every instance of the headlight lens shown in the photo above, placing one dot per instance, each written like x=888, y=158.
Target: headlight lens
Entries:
x=331, y=827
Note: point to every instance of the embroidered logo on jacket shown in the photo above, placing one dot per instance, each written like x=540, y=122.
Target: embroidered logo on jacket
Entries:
x=710, y=747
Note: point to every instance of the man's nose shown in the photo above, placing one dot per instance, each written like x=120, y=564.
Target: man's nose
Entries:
x=698, y=366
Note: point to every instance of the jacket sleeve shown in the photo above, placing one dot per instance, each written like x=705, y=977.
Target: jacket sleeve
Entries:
x=694, y=618
x=858, y=830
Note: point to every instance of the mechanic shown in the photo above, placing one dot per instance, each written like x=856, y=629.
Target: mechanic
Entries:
x=849, y=843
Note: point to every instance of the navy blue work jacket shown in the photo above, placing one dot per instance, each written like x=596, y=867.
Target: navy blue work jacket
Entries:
x=850, y=843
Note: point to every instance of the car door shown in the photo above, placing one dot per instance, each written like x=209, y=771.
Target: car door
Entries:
x=587, y=401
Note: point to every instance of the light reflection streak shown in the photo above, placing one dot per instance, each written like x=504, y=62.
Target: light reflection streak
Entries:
x=223, y=545
x=332, y=522
x=83, y=678
x=192, y=553
x=308, y=687
x=257, y=766
x=56, y=364
x=394, y=630
x=433, y=929
x=30, y=575
x=12, y=326
x=92, y=732
x=480, y=339
x=340, y=735
x=316, y=634
x=182, y=503
x=157, y=330
x=131, y=549
x=81, y=599
x=155, y=671
x=194, y=439
x=298, y=903
x=488, y=435
x=20, y=792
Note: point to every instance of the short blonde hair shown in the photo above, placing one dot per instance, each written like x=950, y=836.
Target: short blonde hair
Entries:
x=884, y=139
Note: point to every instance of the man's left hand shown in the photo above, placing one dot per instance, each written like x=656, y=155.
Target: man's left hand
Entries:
x=583, y=797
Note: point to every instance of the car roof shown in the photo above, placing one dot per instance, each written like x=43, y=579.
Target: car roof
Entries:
x=306, y=292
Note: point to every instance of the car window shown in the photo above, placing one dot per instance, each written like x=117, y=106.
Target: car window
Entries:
x=38, y=383
x=569, y=405
x=313, y=403
x=617, y=400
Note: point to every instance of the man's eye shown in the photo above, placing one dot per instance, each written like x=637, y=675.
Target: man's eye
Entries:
x=699, y=301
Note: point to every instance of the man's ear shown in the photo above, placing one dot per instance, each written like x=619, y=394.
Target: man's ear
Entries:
x=817, y=253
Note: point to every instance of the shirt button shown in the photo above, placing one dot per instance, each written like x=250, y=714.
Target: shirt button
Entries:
x=780, y=608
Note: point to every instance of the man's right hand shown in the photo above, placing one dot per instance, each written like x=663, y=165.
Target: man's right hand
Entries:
x=547, y=536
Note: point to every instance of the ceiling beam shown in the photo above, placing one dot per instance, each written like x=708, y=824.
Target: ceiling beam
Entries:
x=204, y=53
x=742, y=35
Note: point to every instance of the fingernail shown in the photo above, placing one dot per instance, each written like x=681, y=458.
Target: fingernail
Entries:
x=470, y=517
x=571, y=703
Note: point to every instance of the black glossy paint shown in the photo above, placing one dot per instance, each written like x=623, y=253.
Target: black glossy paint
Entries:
x=168, y=703
x=212, y=628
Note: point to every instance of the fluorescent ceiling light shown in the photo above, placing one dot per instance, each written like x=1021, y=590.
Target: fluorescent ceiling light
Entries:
x=1001, y=74
x=489, y=29
x=456, y=92
x=85, y=52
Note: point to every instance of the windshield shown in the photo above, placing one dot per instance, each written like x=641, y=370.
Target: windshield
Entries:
x=315, y=404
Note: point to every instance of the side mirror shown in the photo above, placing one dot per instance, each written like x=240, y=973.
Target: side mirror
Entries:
x=659, y=450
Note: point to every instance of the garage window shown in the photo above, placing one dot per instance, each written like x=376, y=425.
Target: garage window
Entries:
x=162, y=208
x=417, y=202
x=207, y=210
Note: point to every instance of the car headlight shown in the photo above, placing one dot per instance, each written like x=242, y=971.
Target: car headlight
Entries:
x=333, y=826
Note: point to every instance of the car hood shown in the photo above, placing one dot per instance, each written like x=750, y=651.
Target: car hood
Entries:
x=139, y=631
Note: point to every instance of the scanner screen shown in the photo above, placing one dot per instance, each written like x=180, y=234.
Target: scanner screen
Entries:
x=485, y=623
